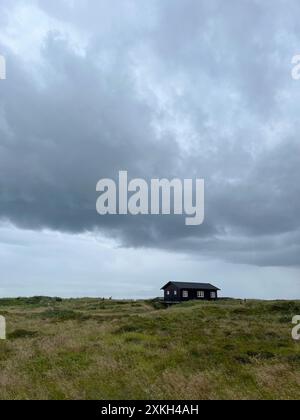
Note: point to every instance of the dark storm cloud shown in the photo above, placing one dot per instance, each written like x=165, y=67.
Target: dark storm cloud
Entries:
x=172, y=89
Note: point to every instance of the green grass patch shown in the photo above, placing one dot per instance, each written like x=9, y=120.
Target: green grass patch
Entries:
x=106, y=349
x=17, y=334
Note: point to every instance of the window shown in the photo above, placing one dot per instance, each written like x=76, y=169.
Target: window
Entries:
x=175, y=292
x=168, y=292
x=185, y=294
x=213, y=295
x=200, y=294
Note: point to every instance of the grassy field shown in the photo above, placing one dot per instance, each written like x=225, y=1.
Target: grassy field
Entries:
x=94, y=349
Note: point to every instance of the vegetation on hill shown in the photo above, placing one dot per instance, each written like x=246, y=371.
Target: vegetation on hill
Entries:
x=105, y=349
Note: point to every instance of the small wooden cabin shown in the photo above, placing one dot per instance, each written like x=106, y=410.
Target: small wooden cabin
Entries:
x=181, y=292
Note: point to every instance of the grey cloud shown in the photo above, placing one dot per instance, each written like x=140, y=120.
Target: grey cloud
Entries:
x=175, y=89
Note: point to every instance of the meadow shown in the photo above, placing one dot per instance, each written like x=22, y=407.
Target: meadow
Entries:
x=106, y=349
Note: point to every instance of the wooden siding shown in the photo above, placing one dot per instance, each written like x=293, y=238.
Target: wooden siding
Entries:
x=174, y=294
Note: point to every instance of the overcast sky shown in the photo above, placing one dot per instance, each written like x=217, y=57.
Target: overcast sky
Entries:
x=160, y=88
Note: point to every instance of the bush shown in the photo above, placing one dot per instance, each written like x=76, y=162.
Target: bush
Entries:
x=157, y=304
x=22, y=334
x=63, y=315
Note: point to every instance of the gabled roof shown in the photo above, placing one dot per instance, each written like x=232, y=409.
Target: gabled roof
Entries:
x=184, y=285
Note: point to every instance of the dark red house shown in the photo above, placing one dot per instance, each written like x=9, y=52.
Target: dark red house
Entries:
x=180, y=292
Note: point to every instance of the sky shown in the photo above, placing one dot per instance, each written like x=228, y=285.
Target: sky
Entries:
x=161, y=89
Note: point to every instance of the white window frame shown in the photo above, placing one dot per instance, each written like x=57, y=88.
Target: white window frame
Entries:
x=175, y=292
x=185, y=293
x=213, y=295
x=168, y=292
x=200, y=294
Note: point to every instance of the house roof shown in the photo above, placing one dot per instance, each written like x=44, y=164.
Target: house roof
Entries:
x=184, y=285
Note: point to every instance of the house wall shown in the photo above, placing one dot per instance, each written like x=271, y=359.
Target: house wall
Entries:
x=192, y=294
x=171, y=297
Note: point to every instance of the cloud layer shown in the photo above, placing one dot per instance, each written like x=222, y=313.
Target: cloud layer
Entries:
x=160, y=89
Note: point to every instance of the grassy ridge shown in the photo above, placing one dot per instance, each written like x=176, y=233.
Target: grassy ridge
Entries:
x=94, y=349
